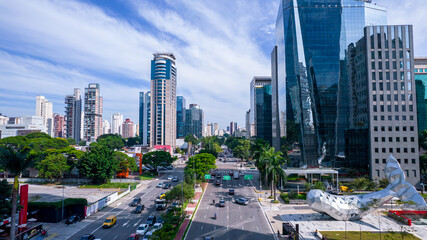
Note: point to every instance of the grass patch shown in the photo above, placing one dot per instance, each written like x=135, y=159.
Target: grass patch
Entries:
x=354, y=235
x=147, y=176
x=424, y=195
x=111, y=185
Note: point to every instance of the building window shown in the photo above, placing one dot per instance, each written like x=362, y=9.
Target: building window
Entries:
x=390, y=150
x=413, y=161
x=405, y=139
x=390, y=139
x=384, y=160
x=376, y=128
x=398, y=150
x=383, y=139
x=378, y=173
x=412, y=139
x=377, y=161
x=414, y=172
x=375, y=139
x=413, y=150
x=405, y=150
x=375, y=118
x=406, y=161
x=382, y=129
x=407, y=173
x=411, y=128
x=397, y=139
x=376, y=150
x=383, y=150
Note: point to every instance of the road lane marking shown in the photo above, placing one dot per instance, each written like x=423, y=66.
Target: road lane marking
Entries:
x=115, y=237
x=137, y=223
x=201, y=228
x=257, y=229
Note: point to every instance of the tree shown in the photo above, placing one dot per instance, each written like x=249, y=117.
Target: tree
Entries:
x=133, y=141
x=71, y=141
x=274, y=169
x=201, y=163
x=157, y=158
x=125, y=163
x=98, y=164
x=422, y=139
x=112, y=141
x=423, y=163
x=53, y=166
x=175, y=194
x=190, y=140
x=82, y=143
x=5, y=203
x=211, y=145
x=15, y=159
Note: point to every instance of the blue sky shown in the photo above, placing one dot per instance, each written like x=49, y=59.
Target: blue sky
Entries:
x=50, y=47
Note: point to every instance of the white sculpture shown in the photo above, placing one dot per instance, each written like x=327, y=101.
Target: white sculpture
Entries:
x=354, y=207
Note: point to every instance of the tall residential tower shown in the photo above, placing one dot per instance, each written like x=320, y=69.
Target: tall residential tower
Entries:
x=92, y=112
x=73, y=115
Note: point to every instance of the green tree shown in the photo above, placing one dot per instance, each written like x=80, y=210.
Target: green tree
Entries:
x=274, y=167
x=175, y=194
x=72, y=155
x=211, y=145
x=82, y=143
x=5, y=201
x=422, y=139
x=98, y=164
x=133, y=141
x=157, y=158
x=15, y=159
x=71, y=141
x=423, y=163
x=190, y=140
x=125, y=163
x=202, y=163
x=112, y=141
x=53, y=166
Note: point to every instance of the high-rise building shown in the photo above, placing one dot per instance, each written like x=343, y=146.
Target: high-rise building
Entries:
x=421, y=92
x=117, y=123
x=312, y=83
x=233, y=128
x=383, y=110
x=180, y=117
x=260, y=112
x=277, y=130
x=209, y=128
x=59, y=125
x=248, y=124
x=106, y=127
x=93, y=112
x=44, y=110
x=163, y=100
x=73, y=116
x=144, y=117
x=194, y=120
x=15, y=120
x=128, y=130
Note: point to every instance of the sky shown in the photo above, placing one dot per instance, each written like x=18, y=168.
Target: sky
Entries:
x=50, y=47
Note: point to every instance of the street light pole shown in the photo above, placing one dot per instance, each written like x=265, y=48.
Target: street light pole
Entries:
x=63, y=191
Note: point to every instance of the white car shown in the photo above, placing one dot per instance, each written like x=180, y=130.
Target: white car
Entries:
x=142, y=229
x=170, y=177
x=160, y=185
x=148, y=235
x=156, y=227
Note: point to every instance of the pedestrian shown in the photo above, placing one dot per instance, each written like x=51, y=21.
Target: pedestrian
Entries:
x=278, y=233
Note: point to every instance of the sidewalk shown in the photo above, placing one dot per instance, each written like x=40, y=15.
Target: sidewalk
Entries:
x=189, y=212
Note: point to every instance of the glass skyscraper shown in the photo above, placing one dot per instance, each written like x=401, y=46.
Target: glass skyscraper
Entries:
x=421, y=88
x=144, y=117
x=312, y=84
x=260, y=112
x=180, y=117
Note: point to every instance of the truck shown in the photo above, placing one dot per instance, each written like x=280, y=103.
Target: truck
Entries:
x=160, y=204
x=236, y=175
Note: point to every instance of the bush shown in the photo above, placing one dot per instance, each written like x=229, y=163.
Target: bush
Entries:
x=302, y=196
x=285, y=198
x=293, y=195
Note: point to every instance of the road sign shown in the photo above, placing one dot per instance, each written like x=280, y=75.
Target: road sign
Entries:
x=226, y=177
x=248, y=177
x=207, y=176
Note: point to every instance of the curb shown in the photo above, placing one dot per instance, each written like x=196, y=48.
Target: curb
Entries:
x=184, y=237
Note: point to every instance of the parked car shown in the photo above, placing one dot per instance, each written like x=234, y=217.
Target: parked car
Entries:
x=167, y=186
x=161, y=220
x=156, y=227
x=88, y=237
x=175, y=179
x=160, y=185
x=73, y=219
x=134, y=236
x=221, y=203
x=110, y=221
x=242, y=201
x=170, y=177
x=139, y=208
x=161, y=195
x=142, y=229
x=148, y=235
x=135, y=202
x=151, y=220
x=231, y=191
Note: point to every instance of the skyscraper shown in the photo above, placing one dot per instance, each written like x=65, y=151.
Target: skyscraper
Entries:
x=73, y=115
x=312, y=84
x=59, y=125
x=180, y=117
x=421, y=88
x=106, y=127
x=382, y=102
x=93, y=112
x=163, y=100
x=128, y=129
x=233, y=128
x=194, y=120
x=144, y=117
x=44, y=110
x=260, y=112
x=116, y=123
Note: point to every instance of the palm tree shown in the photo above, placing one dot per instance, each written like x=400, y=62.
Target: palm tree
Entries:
x=15, y=160
x=272, y=162
x=190, y=140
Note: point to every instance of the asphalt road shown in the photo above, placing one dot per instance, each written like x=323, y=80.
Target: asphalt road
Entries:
x=233, y=221
x=127, y=221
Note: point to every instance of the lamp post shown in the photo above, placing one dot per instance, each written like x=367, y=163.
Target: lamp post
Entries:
x=63, y=195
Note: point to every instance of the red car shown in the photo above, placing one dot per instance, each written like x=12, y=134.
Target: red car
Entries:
x=134, y=236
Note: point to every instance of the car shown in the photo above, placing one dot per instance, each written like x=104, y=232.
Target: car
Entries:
x=242, y=174
x=142, y=229
x=175, y=179
x=135, y=202
x=231, y=191
x=134, y=236
x=88, y=237
x=73, y=219
x=139, y=208
x=231, y=173
x=167, y=186
x=160, y=185
x=170, y=177
x=148, y=235
x=151, y=220
x=218, y=182
x=175, y=205
x=109, y=221
x=221, y=203
x=242, y=201
x=161, y=195
x=156, y=227
x=218, y=175
x=161, y=220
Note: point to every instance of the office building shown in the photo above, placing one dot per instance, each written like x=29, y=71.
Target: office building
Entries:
x=144, y=117
x=232, y=128
x=421, y=92
x=163, y=100
x=59, y=125
x=28, y=125
x=128, y=129
x=248, y=124
x=194, y=121
x=277, y=130
x=383, y=110
x=93, y=112
x=260, y=112
x=312, y=84
x=15, y=120
x=73, y=116
x=117, y=123
x=44, y=110
x=180, y=117
x=106, y=127
x=3, y=119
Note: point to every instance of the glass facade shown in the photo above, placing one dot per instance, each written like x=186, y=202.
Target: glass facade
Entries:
x=421, y=91
x=180, y=117
x=312, y=84
x=260, y=114
x=144, y=117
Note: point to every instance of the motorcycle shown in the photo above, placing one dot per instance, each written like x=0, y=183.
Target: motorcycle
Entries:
x=215, y=216
x=44, y=232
